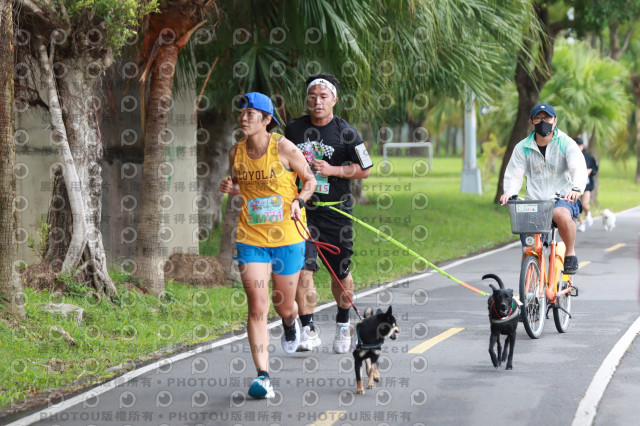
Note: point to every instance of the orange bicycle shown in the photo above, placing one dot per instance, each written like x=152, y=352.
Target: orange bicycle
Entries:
x=543, y=284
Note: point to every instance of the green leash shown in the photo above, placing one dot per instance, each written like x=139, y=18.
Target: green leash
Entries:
x=398, y=244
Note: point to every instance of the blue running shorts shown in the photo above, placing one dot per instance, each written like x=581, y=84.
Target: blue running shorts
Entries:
x=286, y=260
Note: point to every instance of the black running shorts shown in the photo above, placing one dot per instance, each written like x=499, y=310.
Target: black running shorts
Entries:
x=338, y=232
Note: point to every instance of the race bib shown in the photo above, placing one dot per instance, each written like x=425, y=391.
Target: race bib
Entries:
x=323, y=184
x=315, y=151
x=265, y=210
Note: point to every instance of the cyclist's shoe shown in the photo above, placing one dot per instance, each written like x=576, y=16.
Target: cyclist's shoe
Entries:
x=261, y=388
x=342, y=340
x=582, y=227
x=309, y=339
x=291, y=337
x=570, y=264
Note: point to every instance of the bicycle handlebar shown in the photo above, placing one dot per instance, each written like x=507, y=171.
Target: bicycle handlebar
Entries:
x=556, y=197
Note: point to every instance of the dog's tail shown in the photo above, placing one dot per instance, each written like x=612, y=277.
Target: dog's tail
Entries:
x=495, y=277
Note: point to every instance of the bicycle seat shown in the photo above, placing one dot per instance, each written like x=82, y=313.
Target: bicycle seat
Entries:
x=554, y=224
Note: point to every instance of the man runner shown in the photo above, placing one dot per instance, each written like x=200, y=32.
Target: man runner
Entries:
x=337, y=154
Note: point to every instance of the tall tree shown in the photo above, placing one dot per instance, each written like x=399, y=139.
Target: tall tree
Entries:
x=588, y=92
x=384, y=52
x=587, y=18
x=617, y=21
x=71, y=43
x=612, y=19
x=530, y=78
x=165, y=34
x=10, y=286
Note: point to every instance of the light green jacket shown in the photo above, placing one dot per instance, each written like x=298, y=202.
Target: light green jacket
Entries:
x=561, y=168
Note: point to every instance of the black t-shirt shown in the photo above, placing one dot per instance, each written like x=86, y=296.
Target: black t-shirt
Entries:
x=591, y=164
x=336, y=144
x=543, y=150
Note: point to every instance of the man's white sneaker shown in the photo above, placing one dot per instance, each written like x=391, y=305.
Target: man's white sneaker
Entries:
x=589, y=219
x=291, y=338
x=342, y=340
x=582, y=227
x=309, y=339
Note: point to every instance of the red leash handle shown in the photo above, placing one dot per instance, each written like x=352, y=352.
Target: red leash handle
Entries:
x=331, y=249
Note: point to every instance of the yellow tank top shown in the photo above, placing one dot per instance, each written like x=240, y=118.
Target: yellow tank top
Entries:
x=267, y=190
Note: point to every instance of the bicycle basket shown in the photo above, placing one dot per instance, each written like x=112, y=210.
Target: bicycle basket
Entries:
x=531, y=216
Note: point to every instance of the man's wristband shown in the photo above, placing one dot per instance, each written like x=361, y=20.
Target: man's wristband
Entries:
x=300, y=201
x=576, y=189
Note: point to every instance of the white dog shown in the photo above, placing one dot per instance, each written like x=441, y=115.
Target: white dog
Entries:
x=608, y=220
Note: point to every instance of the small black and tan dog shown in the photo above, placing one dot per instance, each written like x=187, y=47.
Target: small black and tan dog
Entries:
x=503, y=314
x=367, y=341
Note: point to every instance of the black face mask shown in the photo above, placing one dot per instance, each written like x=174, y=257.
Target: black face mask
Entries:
x=543, y=128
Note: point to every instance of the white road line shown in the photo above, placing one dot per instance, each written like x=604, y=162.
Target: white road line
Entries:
x=586, y=412
x=118, y=381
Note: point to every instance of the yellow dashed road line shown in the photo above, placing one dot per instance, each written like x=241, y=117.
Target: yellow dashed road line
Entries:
x=615, y=247
x=428, y=344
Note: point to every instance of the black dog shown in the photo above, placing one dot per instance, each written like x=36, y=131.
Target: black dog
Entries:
x=503, y=314
x=368, y=339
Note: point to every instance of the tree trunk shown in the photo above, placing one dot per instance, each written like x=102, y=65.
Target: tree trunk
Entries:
x=60, y=218
x=227, y=239
x=76, y=129
x=359, y=197
x=149, y=255
x=10, y=286
x=457, y=139
x=59, y=138
x=529, y=85
x=80, y=94
x=528, y=95
x=213, y=166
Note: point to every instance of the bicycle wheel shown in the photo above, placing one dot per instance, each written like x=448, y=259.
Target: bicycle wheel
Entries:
x=534, y=300
x=562, y=316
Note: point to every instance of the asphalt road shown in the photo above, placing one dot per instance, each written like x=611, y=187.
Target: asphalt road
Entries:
x=452, y=382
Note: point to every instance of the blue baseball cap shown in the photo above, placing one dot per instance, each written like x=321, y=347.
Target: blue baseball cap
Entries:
x=543, y=107
x=258, y=101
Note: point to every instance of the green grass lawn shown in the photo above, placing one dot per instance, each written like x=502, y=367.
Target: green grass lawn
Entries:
x=424, y=211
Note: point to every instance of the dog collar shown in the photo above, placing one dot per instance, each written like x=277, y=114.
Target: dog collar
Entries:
x=512, y=314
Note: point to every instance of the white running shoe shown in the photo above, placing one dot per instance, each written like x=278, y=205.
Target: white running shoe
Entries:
x=291, y=338
x=582, y=227
x=589, y=219
x=342, y=340
x=309, y=339
x=261, y=388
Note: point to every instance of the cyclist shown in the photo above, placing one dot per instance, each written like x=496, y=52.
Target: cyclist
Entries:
x=552, y=162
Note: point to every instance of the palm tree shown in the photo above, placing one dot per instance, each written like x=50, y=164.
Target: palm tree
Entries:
x=10, y=286
x=588, y=92
x=165, y=34
x=591, y=19
x=71, y=43
x=381, y=51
